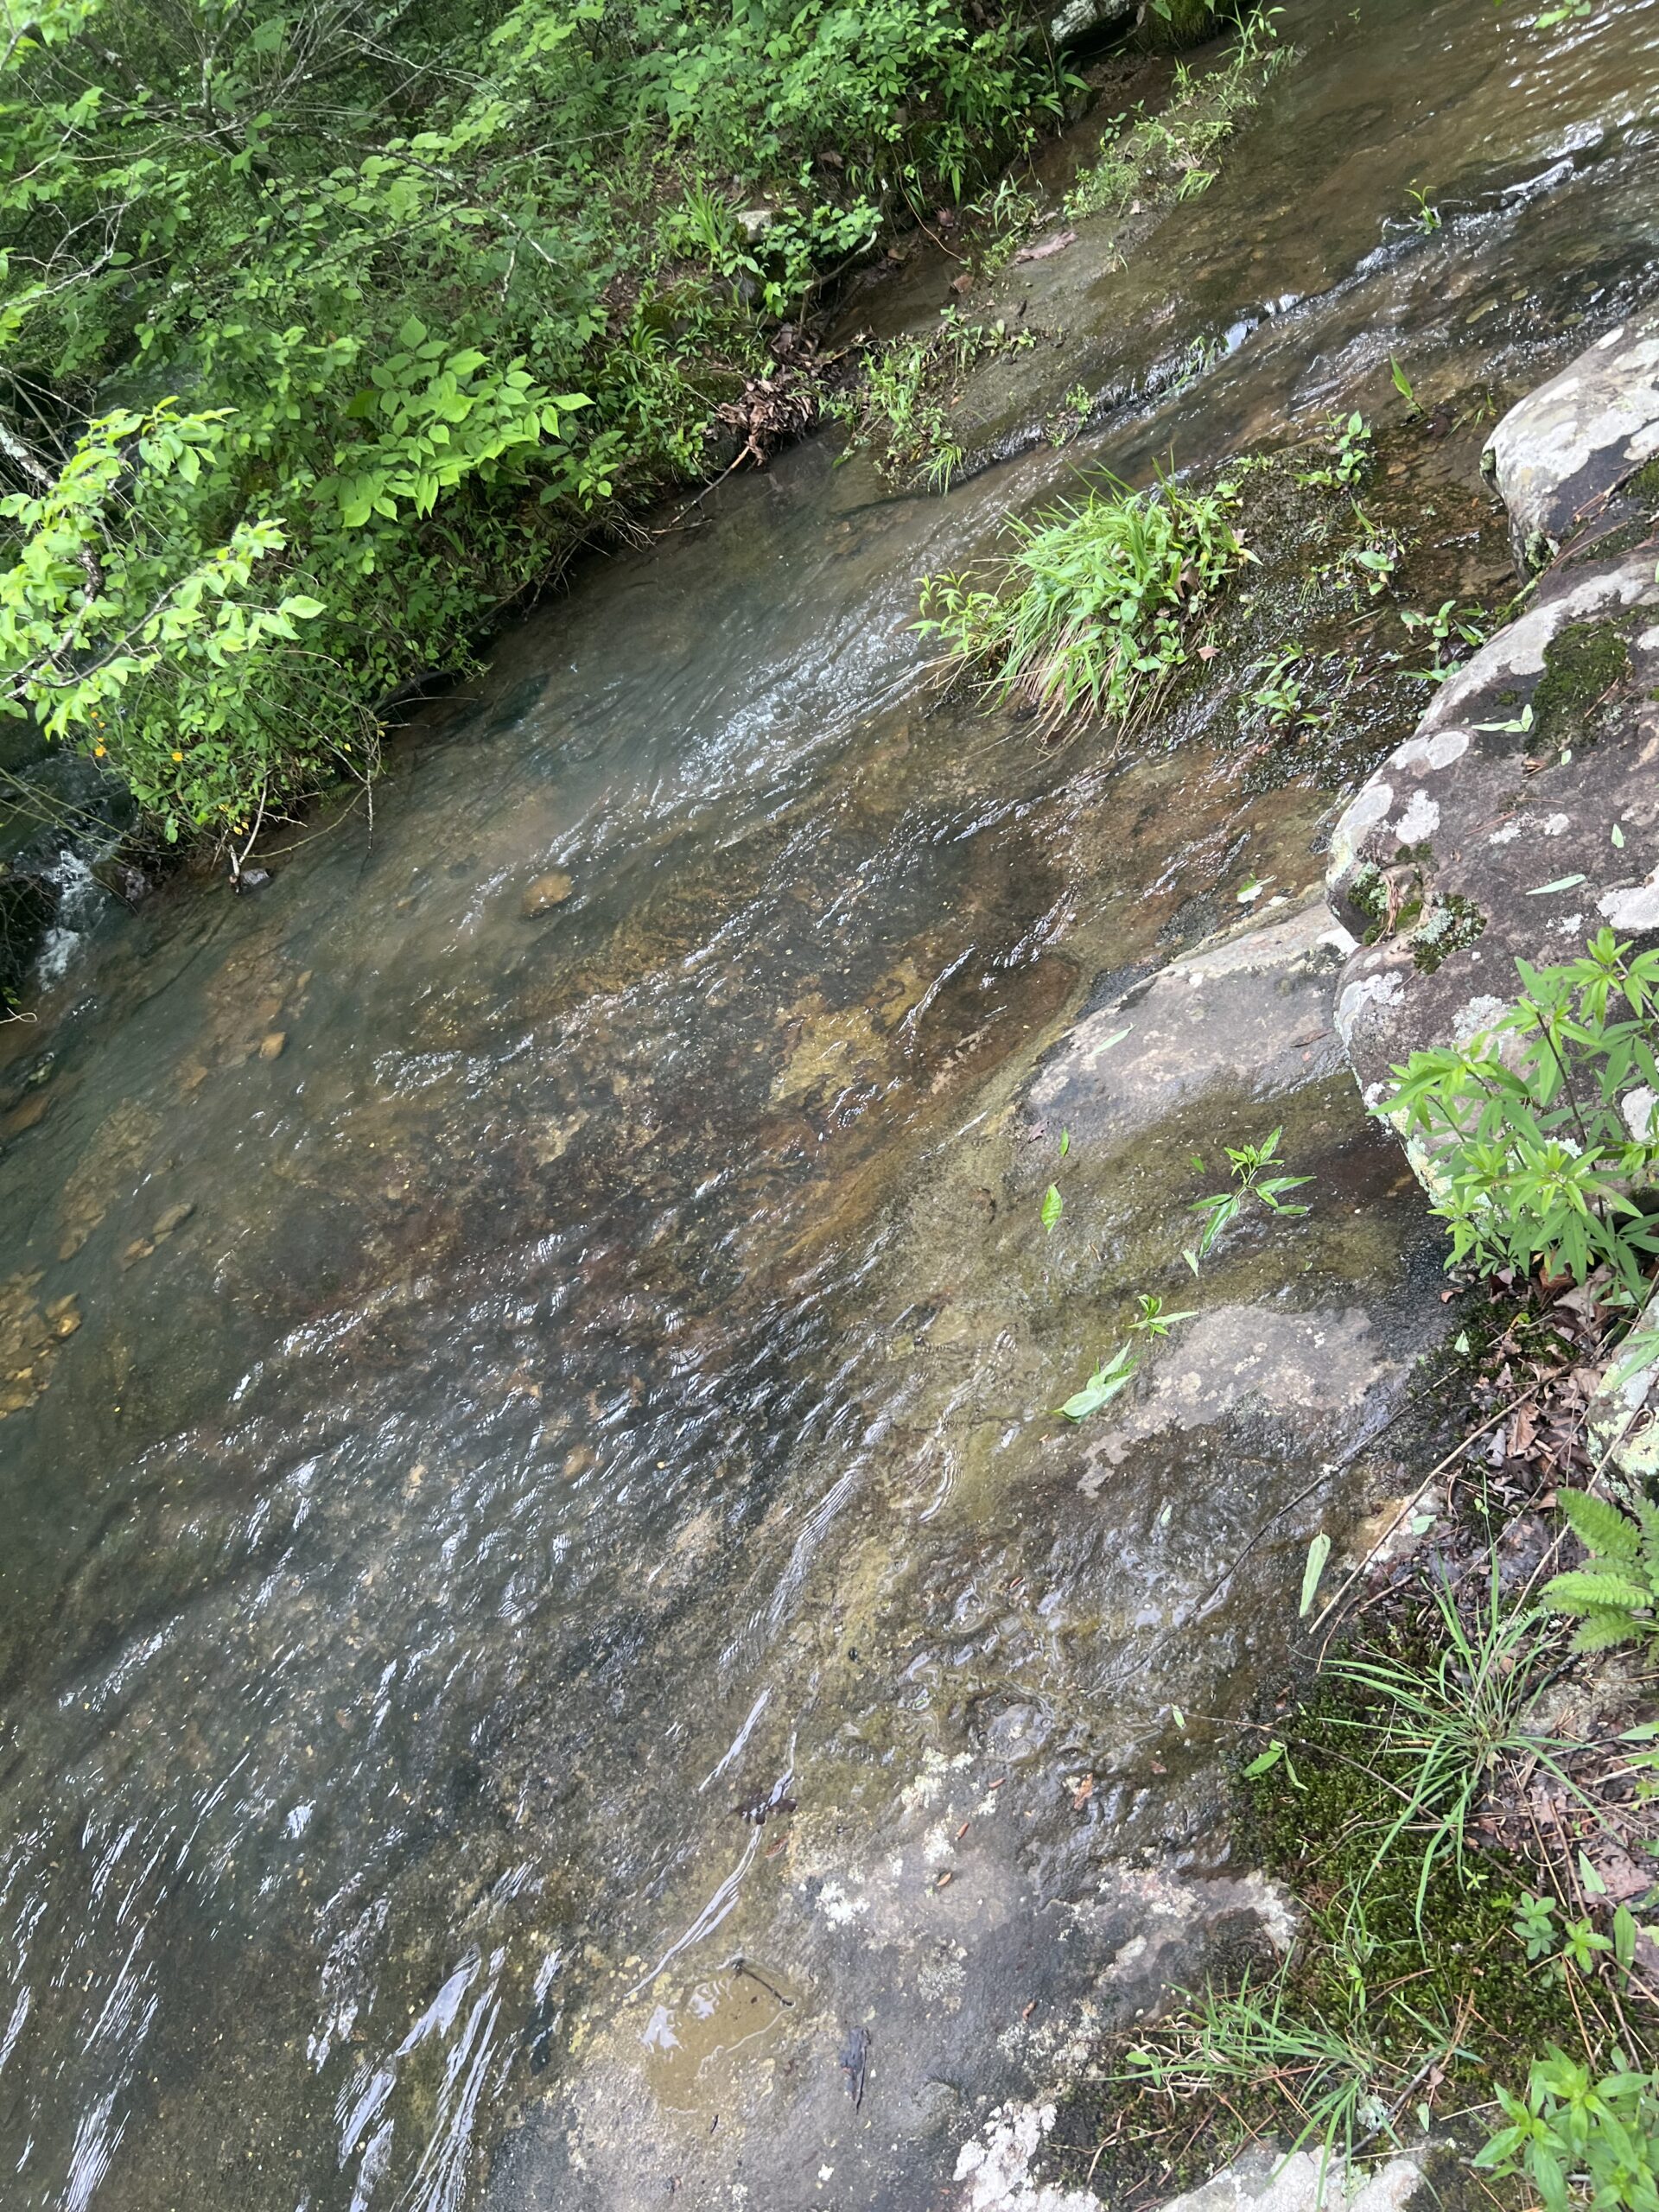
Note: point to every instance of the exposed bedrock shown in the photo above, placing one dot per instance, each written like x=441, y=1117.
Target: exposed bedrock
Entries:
x=1523, y=814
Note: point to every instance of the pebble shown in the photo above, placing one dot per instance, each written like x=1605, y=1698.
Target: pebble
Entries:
x=548, y=892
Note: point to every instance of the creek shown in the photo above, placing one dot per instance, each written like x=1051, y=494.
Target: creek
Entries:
x=553, y=1650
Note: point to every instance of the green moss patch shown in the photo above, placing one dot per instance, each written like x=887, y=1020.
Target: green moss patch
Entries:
x=1584, y=664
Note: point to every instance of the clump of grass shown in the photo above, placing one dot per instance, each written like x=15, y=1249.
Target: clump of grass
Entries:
x=1441, y=1729
x=898, y=409
x=1171, y=155
x=1408, y=1985
x=1095, y=608
x=1325, y=2076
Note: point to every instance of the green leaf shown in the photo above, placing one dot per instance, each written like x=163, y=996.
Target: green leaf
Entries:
x=1561, y=883
x=1053, y=1206
x=1578, y=1592
x=1626, y=1931
x=1265, y=1760
x=1114, y=1375
x=1318, y=1553
x=412, y=334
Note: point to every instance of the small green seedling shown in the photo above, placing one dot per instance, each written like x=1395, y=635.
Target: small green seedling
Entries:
x=1425, y=215
x=1222, y=1208
x=1151, y=1320
x=1112, y=1376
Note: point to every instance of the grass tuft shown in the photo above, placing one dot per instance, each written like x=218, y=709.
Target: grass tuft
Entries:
x=1095, y=607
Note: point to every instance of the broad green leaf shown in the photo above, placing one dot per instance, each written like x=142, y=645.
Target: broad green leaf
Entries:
x=1113, y=1376
x=1318, y=1553
x=1053, y=1206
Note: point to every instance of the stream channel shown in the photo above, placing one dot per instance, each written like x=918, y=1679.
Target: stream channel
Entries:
x=553, y=1650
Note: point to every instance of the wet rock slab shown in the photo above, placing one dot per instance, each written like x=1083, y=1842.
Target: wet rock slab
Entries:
x=1252, y=1010
x=1004, y=1848
x=1490, y=834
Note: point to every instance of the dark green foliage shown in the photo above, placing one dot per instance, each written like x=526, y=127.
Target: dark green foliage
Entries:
x=323, y=332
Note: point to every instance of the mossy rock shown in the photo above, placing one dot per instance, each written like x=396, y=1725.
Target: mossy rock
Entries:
x=1584, y=665
x=1168, y=26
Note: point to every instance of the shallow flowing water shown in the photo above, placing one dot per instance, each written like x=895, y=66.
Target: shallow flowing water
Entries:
x=535, y=1535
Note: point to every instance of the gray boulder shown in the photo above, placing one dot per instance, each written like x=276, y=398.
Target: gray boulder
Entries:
x=1490, y=834
x=1079, y=19
x=1561, y=459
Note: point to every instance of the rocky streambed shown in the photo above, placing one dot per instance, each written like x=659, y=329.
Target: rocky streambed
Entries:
x=556, y=1650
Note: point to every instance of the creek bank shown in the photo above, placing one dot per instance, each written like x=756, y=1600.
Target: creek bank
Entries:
x=1522, y=813
x=1517, y=819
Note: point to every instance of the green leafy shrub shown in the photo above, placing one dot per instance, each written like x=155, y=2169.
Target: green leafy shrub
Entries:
x=1615, y=1597
x=325, y=332
x=1576, y=2139
x=1094, y=609
x=1538, y=1128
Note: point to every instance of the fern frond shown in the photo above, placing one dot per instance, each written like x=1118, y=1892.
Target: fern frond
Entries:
x=1603, y=1627
x=1648, y=1516
x=1599, y=1527
x=1582, y=1591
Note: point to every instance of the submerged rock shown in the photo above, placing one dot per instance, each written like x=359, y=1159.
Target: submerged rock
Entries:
x=1562, y=457
x=546, y=893
x=1252, y=1010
